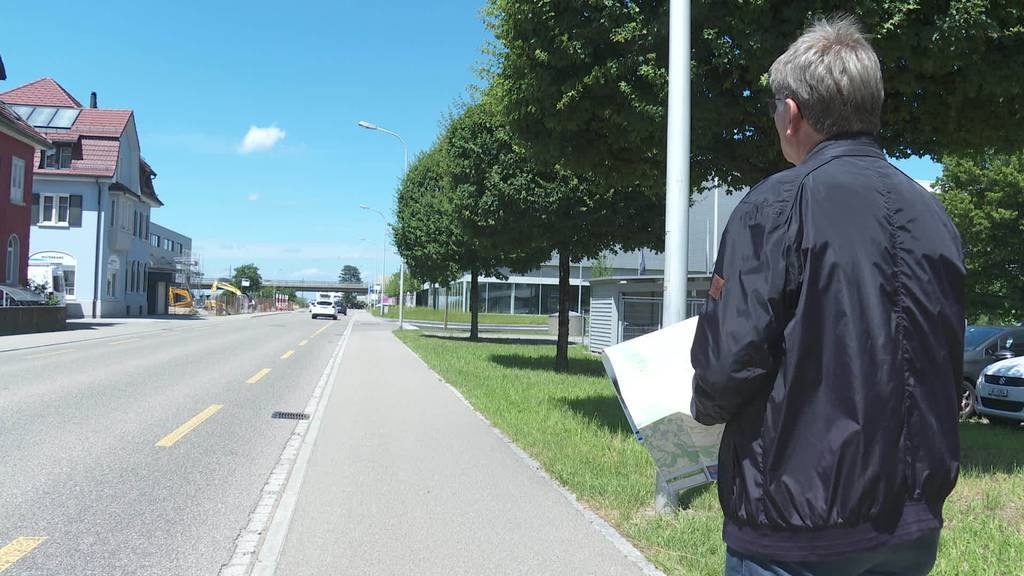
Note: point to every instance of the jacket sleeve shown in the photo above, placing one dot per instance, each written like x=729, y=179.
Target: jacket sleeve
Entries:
x=738, y=344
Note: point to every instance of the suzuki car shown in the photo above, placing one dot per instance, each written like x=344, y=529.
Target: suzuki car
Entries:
x=1000, y=390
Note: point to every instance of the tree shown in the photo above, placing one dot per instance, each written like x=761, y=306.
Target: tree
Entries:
x=427, y=232
x=474, y=146
x=349, y=275
x=393, y=284
x=249, y=272
x=600, y=267
x=584, y=82
x=984, y=195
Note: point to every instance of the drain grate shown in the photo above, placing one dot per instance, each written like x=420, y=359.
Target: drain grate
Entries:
x=290, y=415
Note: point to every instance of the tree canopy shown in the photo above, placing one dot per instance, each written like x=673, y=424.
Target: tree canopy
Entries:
x=349, y=274
x=250, y=272
x=584, y=82
x=985, y=198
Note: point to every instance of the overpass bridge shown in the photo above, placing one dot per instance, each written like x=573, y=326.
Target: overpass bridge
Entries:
x=299, y=285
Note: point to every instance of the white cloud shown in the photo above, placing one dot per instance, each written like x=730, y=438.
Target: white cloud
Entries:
x=260, y=139
x=253, y=197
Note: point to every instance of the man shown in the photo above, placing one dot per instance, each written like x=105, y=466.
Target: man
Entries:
x=831, y=343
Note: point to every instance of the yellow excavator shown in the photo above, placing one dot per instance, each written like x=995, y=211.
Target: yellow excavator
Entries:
x=179, y=299
x=214, y=303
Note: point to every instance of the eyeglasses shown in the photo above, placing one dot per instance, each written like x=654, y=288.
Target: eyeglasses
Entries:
x=773, y=106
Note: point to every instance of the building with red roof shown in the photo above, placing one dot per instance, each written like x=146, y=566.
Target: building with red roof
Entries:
x=19, y=144
x=91, y=200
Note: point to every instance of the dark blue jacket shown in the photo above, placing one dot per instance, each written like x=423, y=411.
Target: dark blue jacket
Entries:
x=832, y=347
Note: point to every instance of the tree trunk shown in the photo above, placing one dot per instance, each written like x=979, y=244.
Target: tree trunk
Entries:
x=562, y=348
x=474, y=305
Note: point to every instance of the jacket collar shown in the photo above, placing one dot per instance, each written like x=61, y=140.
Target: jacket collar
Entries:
x=845, y=145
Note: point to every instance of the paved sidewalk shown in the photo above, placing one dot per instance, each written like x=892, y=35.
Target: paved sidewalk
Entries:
x=406, y=479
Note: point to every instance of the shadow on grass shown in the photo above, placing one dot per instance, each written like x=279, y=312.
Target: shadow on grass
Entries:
x=494, y=340
x=605, y=409
x=987, y=449
x=577, y=366
x=688, y=497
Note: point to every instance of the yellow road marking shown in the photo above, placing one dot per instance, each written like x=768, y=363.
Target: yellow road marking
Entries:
x=303, y=343
x=258, y=376
x=320, y=330
x=51, y=353
x=116, y=342
x=17, y=549
x=287, y=355
x=187, y=427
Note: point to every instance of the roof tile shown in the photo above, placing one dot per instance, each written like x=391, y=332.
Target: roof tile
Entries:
x=42, y=92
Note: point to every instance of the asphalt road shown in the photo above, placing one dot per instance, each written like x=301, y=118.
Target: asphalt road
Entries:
x=100, y=472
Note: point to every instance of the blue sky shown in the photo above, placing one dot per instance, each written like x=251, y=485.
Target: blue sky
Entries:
x=200, y=75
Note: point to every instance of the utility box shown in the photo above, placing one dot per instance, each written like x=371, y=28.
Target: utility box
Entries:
x=575, y=324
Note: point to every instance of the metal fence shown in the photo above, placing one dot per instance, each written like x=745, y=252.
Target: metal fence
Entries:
x=642, y=315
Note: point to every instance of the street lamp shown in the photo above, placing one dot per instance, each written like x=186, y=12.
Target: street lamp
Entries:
x=384, y=259
x=401, y=276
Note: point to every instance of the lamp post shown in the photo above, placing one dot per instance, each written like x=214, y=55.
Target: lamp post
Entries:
x=401, y=273
x=677, y=178
x=384, y=257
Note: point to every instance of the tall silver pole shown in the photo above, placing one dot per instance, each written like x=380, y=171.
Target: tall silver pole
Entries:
x=384, y=268
x=678, y=163
x=677, y=193
x=401, y=274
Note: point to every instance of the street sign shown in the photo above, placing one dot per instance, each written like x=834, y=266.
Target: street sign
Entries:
x=245, y=283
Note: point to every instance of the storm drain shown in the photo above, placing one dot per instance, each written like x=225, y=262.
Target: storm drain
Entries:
x=290, y=415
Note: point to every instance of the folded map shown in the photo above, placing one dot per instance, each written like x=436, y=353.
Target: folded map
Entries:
x=653, y=379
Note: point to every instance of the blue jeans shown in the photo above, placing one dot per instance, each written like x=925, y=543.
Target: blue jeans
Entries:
x=913, y=558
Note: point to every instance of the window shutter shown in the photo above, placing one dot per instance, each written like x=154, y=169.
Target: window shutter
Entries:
x=75, y=218
x=35, y=208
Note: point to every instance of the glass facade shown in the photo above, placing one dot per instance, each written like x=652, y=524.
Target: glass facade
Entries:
x=527, y=299
x=498, y=297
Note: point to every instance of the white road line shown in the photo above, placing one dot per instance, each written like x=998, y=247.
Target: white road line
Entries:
x=282, y=488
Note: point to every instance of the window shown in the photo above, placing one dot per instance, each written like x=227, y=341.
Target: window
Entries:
x=17, y=180
x=65, y=156
x=59, y=157
x=135, y=223
x=154, y=240
x=69, y=281
x=58, y=209
x=111, y=283
x=13, y=259
x=113, y=211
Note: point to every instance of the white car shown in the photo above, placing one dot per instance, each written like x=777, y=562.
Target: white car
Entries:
x=323, y=308
x=1000, y=390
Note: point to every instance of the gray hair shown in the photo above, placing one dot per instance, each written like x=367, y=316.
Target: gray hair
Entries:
x=834, y=76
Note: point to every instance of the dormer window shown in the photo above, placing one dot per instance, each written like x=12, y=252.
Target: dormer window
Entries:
x=59, y=157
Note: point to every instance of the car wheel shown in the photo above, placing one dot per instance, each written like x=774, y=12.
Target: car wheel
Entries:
x=314, y=316
x=1004, y=422
x=967, y=400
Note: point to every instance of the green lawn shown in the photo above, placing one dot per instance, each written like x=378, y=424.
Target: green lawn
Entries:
x=420, y=313
x=573, y=425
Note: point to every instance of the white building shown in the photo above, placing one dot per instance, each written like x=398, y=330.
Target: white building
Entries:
x=92, y=198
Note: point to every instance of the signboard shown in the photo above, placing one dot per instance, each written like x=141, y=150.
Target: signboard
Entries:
x=179, y=278
x=113, y=263
x=245, y=282
x=65, y=260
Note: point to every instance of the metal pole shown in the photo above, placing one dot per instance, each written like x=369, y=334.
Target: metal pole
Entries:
x=401, y=277
x=678, y=163
x=383, y=269
x=677, y=188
